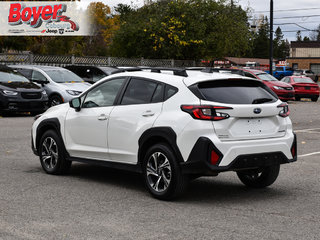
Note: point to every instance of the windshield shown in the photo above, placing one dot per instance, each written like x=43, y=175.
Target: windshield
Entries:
x=303, y=80
x=63, y=76
x=8, y=75
x=266, y=77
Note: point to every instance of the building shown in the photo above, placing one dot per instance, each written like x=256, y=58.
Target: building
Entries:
x=305, y=55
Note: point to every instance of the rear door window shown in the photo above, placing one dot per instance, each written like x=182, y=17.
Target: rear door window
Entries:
x=139, y=91
x=236, y=92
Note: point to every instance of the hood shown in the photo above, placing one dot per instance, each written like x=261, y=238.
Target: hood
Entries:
x=20, y=86
x=81, y=86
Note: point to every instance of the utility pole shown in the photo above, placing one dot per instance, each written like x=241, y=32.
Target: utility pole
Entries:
x=271, y=37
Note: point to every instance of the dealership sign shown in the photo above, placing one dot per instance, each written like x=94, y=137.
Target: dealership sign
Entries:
x=42, y=18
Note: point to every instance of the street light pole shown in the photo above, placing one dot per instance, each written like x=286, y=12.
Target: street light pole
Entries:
x=271, y=38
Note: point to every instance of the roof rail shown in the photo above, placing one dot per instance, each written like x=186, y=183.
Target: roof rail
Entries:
x=176, y=71
x=121, y=70
x=217, y=70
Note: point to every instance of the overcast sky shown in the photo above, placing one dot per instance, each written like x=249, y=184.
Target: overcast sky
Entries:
x=262, y=7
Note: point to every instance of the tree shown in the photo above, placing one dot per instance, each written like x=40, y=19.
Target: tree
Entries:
x=298, y=35
x=306, y=39
x=315, y=35
x=183, y=29
x=280, y=46
x=261, y=40
x=103, y=26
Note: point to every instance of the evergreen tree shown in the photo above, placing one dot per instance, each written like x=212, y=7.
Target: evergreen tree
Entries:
x=306, y=39
x=298, y=35
x=261, y=41
x=280, y=47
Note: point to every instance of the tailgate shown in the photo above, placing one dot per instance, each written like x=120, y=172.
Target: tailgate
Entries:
x=254, y=121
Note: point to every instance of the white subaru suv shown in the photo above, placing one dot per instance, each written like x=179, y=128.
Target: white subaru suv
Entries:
x=171, y=128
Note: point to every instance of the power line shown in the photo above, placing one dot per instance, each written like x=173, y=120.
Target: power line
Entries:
x=290, y=10
x=306, y=16
x=299, y=30
x=297, y=22
x=307, y=29
x=291, y=17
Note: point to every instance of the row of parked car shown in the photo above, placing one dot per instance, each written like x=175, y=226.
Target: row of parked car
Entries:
x=33, y=88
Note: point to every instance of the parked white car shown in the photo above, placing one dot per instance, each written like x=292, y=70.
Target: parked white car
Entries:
x=170, y=128
x=60, y=84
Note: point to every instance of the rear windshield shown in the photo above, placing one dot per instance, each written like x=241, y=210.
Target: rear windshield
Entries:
x=303, y=80
x=62, y=76
x=236, y=92
x=11, y=76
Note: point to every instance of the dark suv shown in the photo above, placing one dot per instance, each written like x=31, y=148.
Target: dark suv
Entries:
x=91, y=74
x=18, y=94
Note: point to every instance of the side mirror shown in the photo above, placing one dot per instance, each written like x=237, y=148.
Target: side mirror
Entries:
x=76, y=104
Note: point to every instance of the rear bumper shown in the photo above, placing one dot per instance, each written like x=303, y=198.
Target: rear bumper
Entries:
x=304, y=94
x=199, y=159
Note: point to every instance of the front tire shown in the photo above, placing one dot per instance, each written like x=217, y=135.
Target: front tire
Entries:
x=259, y=178
x=297, y=98
x=162, y=174
x=52, y=154
x=55, y=100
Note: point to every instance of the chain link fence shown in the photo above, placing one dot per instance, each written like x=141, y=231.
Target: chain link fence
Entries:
x=55, y=60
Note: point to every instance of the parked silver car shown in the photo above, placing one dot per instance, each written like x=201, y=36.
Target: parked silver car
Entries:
x=60, y=84
x=307, y=73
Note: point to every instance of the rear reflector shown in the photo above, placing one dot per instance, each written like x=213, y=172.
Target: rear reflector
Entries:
x=214, y=158
x=294, y=148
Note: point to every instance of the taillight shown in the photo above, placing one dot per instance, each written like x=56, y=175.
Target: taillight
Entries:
x=285, y=110
x=206, y=112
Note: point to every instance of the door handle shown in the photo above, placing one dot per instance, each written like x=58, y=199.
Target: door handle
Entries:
x=148, y=113
x=102, y=117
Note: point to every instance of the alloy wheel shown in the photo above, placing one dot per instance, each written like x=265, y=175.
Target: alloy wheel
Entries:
x=49, y=153
x=158, y=172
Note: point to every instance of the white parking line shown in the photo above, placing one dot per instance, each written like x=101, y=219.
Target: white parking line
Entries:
x=309, y=154
x=307, y=130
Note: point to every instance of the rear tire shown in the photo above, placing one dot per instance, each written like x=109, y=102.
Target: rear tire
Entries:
x=52, y=154
x=259, y=178
x=162, y=173
x=297, y=98
x=314, y=99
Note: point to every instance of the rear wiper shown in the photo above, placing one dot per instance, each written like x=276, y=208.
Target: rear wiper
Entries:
x=261, y=100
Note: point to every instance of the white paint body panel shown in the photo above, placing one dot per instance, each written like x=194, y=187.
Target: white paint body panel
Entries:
x=116, y=138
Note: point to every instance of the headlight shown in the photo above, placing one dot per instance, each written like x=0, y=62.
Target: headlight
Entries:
x=278, y=88
x=73, y=93
x=44, y=93
x=10, y=93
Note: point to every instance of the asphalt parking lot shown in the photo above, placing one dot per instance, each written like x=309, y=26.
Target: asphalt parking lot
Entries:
x=99, y=203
